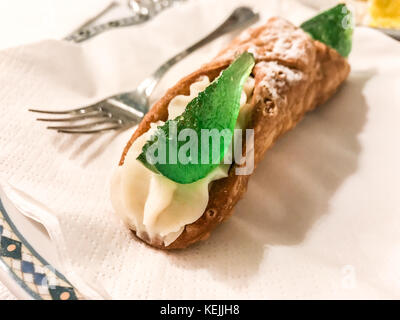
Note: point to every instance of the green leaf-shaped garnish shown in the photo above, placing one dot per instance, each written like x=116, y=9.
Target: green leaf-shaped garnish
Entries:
x=333, y=27
x=212, y=112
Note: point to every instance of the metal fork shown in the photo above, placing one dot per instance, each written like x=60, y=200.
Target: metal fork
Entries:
x=127, y=109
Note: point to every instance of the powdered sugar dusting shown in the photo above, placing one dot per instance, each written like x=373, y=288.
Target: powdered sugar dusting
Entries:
x=277, y=40
x=291, y=46
x=282, y=41
x=276, y=78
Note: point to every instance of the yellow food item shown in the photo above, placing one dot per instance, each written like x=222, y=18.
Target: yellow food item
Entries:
x=385, y=13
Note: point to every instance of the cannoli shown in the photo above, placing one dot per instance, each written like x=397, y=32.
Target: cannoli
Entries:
x=293, y=73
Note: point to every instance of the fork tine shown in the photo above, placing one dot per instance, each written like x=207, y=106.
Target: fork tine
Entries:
x=85, y=126
x=76, y=118
x=71, y=111
x=90, y=131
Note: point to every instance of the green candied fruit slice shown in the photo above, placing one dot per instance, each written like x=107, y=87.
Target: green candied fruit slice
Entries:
x=333, y=27
x=217, y=107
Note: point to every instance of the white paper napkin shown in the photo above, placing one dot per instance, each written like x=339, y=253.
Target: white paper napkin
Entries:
x=321, y=215
x=24, y=21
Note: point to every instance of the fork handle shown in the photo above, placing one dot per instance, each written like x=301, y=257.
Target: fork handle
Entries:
x=241, y=17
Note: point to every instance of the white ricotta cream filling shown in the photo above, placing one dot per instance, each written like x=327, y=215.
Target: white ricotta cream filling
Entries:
x=158, y=208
